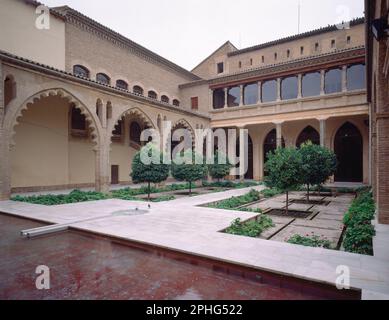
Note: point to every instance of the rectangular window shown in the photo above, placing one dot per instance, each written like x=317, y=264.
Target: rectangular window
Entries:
x=218, y=98
x=194, y=101
x=317, y=46
x=301, y=50
x=263, y=59
x=240, y=64
x=220, y=67
x=348, y=40
x=333, y=43
x=275, y=56
x=288, y=53
x=251, y=62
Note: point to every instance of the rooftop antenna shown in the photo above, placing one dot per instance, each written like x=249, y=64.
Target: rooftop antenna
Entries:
x=299, y=16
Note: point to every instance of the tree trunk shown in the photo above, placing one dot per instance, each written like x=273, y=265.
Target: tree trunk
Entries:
x=287, y=202
x=308, y=193
x=148, y=197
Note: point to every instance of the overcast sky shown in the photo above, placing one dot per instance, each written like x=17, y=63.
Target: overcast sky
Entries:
x=187, y=31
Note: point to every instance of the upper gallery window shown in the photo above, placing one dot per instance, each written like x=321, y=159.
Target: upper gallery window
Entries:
x=311, y=84
x=348, y=39
x=250, y=94
x=152, y=95
x=176, y=103
x=356, y=77
x=269, y=91
x=333, y=81
x=317, y=46
x=165, y=99
x=121, y=84
x=333, y=43
x=81, y=71
x=220, y=67
x=218, y=99
x=103, y=78
x=289, y=88
x=137, y=90
x=234, y=97
x=301, y=50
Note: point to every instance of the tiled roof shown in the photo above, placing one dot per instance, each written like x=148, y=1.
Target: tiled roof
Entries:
x=13, y=59
x=73, y=15
x=295, y=37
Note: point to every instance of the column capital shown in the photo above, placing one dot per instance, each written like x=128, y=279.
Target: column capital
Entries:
x=279, y=122
x=322, y=118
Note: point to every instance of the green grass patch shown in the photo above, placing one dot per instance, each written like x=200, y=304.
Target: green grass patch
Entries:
x=253, y=228
x=230, y=184
x=236, y=202
x=313, y=241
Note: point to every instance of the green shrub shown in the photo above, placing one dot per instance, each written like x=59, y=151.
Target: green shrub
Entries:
x=270, y=193
x=359, y=233
x=164, y=198
x=235, y=202
x=251, y=228
x=73, y=197
x=230, y=184
x=313, y=241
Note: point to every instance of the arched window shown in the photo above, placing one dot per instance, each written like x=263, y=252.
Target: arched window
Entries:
x=176, y=103
x=103, y=78
x=135, y=132
x=289, y=88
x=308, y=134
x=9, y=90
x=81, y=71
x=356, y=77
x=152, y=95
x=165, y=99
x=78, y=122
x=121, y=84
x=137, y=90
x=333, y=81
x=118, y=131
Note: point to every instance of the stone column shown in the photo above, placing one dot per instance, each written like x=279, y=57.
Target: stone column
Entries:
x=344, y=79
x=102, y=152
x=323, y=132
x=210, y=99
x=243, y=160
x=279, y=89
x=279, y=134
x=299, y=86
x=322, y=82
x=241, y=103
x=104, y=115
x=225, y=97
x=256, y=159
x=259, y=92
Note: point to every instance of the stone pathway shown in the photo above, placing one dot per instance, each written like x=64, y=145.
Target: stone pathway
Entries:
x=184, y=226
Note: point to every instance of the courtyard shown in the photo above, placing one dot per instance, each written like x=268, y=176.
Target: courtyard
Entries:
x=197, y=231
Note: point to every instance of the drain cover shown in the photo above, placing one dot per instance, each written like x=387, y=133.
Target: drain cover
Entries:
x=130, y=212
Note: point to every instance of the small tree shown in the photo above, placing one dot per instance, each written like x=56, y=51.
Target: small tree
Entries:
x=188, y=171
x=318, y=164
x=151, y=173
x=283, y=171
x=221, y=166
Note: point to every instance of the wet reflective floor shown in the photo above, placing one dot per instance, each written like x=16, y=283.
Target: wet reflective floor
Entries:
x=84, y=267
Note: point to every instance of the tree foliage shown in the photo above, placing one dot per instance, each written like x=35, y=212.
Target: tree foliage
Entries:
x=221, y=166
x=318, y=164
x=153, y=172
x=283, y=171
x=185, y=168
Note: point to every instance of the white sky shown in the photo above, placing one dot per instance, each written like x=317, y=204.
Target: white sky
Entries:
x=187, y=31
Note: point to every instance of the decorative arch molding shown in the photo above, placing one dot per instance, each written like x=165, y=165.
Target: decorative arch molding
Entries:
x=185, y=124
x=134, y=111
x=12, y=118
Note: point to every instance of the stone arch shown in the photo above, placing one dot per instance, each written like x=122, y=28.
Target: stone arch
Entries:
x=308, y=133
x=9, y=89
x=184, y=124
x=12, y=118
x=132, y=112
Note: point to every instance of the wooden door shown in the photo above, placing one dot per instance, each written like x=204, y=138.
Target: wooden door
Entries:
x=114, y=174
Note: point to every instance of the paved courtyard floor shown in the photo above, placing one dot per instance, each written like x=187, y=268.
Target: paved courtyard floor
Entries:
x=184, y=226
